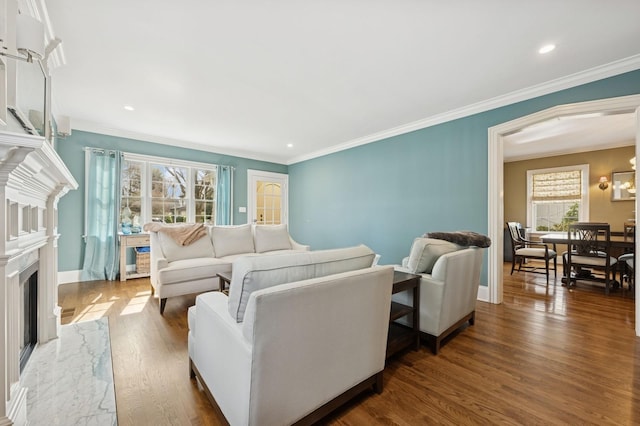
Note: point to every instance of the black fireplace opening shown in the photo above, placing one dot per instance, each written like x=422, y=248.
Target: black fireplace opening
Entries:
x=29, y=296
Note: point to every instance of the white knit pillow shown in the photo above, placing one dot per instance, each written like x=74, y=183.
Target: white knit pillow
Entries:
x=425, y=252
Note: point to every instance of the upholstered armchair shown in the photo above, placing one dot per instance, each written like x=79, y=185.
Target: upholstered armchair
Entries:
x=450, y=277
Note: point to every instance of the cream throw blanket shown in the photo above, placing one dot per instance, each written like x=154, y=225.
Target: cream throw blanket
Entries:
x=182, y=234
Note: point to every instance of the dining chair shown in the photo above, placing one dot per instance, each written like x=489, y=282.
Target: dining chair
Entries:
x=626, y=261
x=523, y=249
x=589, y=248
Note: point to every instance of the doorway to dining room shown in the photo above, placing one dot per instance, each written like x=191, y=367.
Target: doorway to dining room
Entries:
x=496, y=141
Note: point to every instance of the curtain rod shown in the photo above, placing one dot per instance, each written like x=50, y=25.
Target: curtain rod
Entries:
x=102, y=150
x=165, y=160
x=171, y=161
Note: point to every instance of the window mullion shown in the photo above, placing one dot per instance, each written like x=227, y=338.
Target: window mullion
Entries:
x=189, y=196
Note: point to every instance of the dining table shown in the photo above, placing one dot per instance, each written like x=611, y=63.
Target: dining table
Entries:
x=617, y=241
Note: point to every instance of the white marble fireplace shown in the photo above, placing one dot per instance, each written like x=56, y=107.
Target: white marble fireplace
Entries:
x=32, y=180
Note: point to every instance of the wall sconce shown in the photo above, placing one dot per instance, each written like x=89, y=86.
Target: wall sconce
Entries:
x=604, y=183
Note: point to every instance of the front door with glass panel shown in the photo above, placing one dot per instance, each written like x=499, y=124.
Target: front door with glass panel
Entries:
x=267, y=200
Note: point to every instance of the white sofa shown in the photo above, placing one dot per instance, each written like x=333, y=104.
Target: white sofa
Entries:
x=178, y=270
x=298, y=335
x=450, y=277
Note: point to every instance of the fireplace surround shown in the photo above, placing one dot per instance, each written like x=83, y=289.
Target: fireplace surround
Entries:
x=29, y=318
x=33, y=178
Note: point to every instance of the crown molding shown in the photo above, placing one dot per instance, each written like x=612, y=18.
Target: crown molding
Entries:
x=597, y=73
x=567, y=151
x=609, y=70
x=88, y=126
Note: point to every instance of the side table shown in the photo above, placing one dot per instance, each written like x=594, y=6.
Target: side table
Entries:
x=225, y=279
x=402, y=336
x=131, y=241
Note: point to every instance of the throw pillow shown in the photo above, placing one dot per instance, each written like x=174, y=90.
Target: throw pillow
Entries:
x=228, y=240
x=174, y=251
x=462, y=238
x=271, y=238
x=425, y=252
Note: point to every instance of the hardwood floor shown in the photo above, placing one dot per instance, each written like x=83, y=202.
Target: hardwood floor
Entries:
x=547, y=355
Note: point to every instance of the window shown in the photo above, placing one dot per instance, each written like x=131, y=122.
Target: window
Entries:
x=557, y=197
x=204, y=190
x=164, y=190
x=131, y=183
x=169, y=196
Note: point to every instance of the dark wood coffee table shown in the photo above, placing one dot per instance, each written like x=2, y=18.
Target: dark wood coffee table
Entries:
x=402, y=336
x=225, y=279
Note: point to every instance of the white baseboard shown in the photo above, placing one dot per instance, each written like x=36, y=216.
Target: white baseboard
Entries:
x=17, y=406
x=483, y=293
x=66, y=277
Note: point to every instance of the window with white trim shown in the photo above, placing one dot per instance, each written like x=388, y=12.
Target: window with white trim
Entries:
x=165, y=190
x=557, y=197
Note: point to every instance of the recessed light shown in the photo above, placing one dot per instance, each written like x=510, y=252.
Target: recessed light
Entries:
x=546, y=48
x=289, y=145
x=129, y=108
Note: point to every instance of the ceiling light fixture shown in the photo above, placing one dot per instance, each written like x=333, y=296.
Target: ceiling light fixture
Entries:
x=546, y=48
x=289, y=145
x=129, y=108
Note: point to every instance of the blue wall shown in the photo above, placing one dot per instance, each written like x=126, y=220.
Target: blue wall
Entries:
x=383, y=194
x=386, y=193
x=71, y=206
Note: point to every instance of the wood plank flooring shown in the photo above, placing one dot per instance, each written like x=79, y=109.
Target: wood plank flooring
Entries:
x=547, y=355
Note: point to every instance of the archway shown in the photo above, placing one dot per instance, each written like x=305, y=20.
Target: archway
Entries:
x=624, y=104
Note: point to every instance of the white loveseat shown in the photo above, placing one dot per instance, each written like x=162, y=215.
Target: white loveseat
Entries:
x=178, y=270
x=450, y=277
x=298, y=335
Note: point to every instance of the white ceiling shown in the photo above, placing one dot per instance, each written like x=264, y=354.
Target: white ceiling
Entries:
x=571, y=134
x=249, y=77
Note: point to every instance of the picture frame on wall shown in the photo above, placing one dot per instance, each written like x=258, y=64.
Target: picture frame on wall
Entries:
x=624, y=186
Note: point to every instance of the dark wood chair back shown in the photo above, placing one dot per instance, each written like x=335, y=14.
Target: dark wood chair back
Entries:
x=590, y=239
x=590, y=248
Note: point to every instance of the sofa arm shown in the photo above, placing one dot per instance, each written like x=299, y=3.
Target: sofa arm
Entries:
x=156, y=256
x=161, y=263
x=157, y=263
x=297, y=246
x=222, y=356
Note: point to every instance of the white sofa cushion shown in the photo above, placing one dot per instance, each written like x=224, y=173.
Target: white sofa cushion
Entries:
x=174, y=251
x=228, y=240
x=425, y=252
x=271, y=238
x=183, y=270
x=258, y=272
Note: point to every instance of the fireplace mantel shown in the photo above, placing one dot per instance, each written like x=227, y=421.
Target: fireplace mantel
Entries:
x=33, y=178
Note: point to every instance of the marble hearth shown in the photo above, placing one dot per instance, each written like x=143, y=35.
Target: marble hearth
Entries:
x=32, y=180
